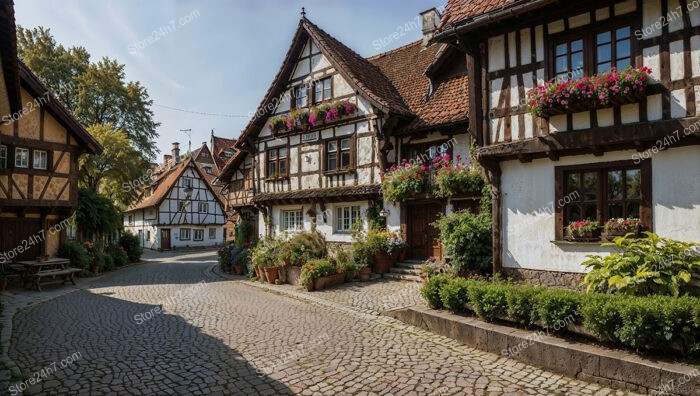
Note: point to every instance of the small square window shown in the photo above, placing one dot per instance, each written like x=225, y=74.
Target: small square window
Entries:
x=292, y=220
x=21, y=158
x=212, y=233
x=185, y=234
x=203, y=207
x=40, y=159
x=198, y=235
x=301, y=96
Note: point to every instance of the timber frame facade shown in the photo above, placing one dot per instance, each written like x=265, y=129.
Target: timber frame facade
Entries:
x=325, y=177
x=40, y=144
x=634, y=159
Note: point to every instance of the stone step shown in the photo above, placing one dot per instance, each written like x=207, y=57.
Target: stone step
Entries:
x=411, y=278
x=405, y=271
x=408, y=265
x=412, y=261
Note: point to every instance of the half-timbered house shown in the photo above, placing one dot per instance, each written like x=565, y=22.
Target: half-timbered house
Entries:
x=180, y=208
x=637, y=156
x=325, y=175
x=40, y=144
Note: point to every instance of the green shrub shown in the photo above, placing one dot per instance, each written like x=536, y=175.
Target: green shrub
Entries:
x=315, y=269
x=601, y=314
x=454, y=294
x=488, y=299
x=431, y=290
x=521, y=303
x=467, y=240
x=108, y=262
x=132, y=246
x=306, y=246
x=119, y=256
x=75, y=253
x=556, y=305
x=644, y=266
x=98, y=261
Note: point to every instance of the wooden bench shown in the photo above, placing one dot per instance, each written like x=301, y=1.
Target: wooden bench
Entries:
x=68, y=274
x=11, y=271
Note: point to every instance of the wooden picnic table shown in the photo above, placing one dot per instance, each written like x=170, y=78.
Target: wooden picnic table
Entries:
x=36, y=270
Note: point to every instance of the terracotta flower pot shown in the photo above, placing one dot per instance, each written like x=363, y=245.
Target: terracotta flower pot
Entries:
x=259, y=273
x=382, y=262
x=238, y=269
x=365, y=273
x=95, y=270
x=272, y=274
x=584, y=236
x=310, y=287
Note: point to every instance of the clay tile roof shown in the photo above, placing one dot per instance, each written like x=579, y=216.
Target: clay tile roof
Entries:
x=405, y=67
x=460, y=10
x=347, y=193
x=366, y=76
x=8, y=54
x=219, y=145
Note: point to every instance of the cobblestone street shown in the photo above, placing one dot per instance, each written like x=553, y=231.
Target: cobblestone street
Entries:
x=222, y=336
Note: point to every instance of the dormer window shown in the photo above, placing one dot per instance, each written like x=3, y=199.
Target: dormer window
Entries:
x=228, y=154
x=301, y=96
x=208, y=170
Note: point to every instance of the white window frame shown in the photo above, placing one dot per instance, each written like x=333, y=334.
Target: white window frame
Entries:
x=345, y=217
x=185, y=234
x=24, y=161
x=198, y=235
x=41, y=154
x=3, y=156
x=212, y=233
x=148, y=236
x=292, y=220
x=203, y=205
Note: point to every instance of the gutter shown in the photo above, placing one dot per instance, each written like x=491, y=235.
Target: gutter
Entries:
x=485, y=19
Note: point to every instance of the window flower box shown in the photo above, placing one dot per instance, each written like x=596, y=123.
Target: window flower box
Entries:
x=613, y=88
x=304, y=120
x=621, y=227
x=583, y=231
x=401, y=183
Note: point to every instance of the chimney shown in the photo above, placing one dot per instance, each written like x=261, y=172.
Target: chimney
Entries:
x=166, y=159
x=431, y=19
x=176, y=152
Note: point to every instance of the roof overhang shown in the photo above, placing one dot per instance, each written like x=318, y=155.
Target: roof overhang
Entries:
x=10, y=102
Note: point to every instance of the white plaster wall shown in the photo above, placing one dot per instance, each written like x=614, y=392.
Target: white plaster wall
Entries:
x=324, y=224
x=528, y=207
x=176, y=242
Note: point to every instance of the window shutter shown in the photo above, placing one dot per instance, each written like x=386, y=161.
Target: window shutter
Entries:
x=49, y=160
x=10, y=157
x=353, y=152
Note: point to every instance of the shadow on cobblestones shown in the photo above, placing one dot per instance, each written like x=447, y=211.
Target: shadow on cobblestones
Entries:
x=162, y=355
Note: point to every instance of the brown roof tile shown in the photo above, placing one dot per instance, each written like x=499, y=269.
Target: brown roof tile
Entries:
x=219, y=145
x=457, y=11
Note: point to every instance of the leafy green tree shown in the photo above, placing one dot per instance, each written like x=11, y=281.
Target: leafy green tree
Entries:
x=97, y=93
x=96, y=215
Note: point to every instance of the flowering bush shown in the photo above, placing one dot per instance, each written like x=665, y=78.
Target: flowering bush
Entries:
x=231, y=255
x=315, y=269
x=266, y=254
x=623, y=226
x=395, y=243
x=456, y=177
x=584, y=228
x=302, y=119
x=595, y=91
x=403, y=182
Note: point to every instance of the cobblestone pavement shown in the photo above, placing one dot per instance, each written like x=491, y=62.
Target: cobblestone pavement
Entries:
x=224, y=337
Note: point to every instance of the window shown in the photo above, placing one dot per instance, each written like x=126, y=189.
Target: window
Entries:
x=184, y=234
x=277, y=162
x=212, y=233
x=323, y=90
x=21, y=158
x=187, y=182
x=300, y=96
x=568, y=58
x=131, y=220
x=40, y=159
x=345, y=217
x=602, y=192
x=203, y=207
x=228, y=154
x=3, y=157
x=338, y=155
x=182, y=206
x=198, y=235
x=613, y=48
x=208, y=170
x=592, y=52
x=292, y=220
x=148, y=236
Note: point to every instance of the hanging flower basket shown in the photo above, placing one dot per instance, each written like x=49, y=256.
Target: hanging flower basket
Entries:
x=613, y=88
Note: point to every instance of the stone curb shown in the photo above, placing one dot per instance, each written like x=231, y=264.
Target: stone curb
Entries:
x=586, y=362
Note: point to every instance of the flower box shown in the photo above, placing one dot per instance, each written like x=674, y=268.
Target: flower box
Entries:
x=583, y=231
x=613, y=88
x=304, y=120
x=329, y=281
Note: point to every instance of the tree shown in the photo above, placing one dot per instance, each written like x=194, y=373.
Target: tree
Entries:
x=96, y=93
x=96, y=215
x=119, y=163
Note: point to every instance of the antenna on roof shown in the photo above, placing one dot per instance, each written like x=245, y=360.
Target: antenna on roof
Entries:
x=303, y=12
x=188, y=132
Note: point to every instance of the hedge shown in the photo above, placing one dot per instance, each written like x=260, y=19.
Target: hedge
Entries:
x=641, y=323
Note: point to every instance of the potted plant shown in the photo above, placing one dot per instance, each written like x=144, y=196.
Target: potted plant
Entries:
x=397, y=246
x=621, y=227
x=300, y=119
x=382, y=252
x=403, y=182
x=316, y=273
x=585, y=230
x=278, y=124
x=347, y=265
x=265, y=259
x=318, y=115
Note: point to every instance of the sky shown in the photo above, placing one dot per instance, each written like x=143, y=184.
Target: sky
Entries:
x=214, y=56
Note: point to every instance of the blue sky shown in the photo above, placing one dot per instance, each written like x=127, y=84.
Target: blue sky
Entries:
x=223, y=57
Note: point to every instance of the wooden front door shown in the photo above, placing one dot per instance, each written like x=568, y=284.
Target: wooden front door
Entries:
x=21, y=239
x=165, y=239
x=423, y=239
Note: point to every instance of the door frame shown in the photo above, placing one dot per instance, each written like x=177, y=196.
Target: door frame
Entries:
x=170, y=239
x=405, y=218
